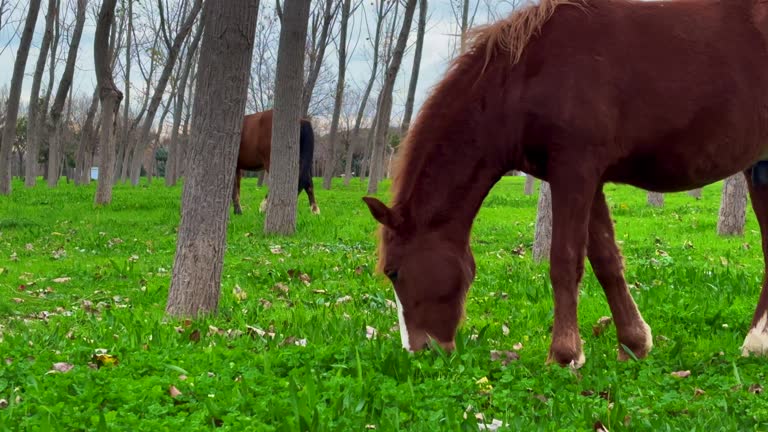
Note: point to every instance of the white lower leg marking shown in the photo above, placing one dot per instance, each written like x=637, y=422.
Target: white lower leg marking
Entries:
x=401, y=320
x=756, y=341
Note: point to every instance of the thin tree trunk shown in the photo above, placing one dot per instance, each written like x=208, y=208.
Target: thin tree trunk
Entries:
x=125, y=137
x=14, y=95
x=655, y=199
x=171, y=173
x=416, y=66
x=542, y=238
x=385, y=108
x=86, y=140
x=530, y=184
x=284, y=158
x=225, y=58
x=696, y=193
x=180, y=161
x=157, y=96
x=110, y=98
x=34, y=123
x=733, y=206
x=54, y=148
x=330, y=162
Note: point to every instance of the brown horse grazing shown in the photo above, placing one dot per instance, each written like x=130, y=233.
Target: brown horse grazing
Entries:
x=666, y=96
x=254, y=152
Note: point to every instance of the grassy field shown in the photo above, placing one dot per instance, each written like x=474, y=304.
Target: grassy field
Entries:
x=292, y=348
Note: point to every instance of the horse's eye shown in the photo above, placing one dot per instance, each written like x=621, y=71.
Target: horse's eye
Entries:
x=392, y=275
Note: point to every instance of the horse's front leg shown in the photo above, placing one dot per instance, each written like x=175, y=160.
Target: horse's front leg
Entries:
x=605, y=257
x=236, y=192
x=572, y=196
x=756, y=341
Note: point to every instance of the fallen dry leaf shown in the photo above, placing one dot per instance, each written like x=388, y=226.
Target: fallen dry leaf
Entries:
x=62, y=367
x=343, y=299
x=195, y=335
x=698, y=392
x=61, y=280
x=505, y=330
x=484, y=385
x=18, y=300
x=276, y=250
x=600, y=427
x=3, y=403
x=174, y=392
x=681, y=374
x=370, y=332
x=104, y=359
x=517, y=347
x=182, y=377
x=756, y=389
x=266, y=304
x=505, y=357
x=319, y=291
x=240, y=295
x=601, y=325
x=283, y=288
x=358, y=270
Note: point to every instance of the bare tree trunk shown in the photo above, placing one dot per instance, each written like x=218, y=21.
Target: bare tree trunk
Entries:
x=542, y=238
x=655, y=199
x=385, y=108
x=464, y=26
x=126, y=132
x=54, y=148
x=36, y=122
x=733, y=206
x=86, y=139
x=316, y=57
x=416, y=66
x=530, y=184
x=330, y=162
x=180, y=161
x=225, y=57
x=157, y=96
x=696, y=193
x=110, y=98
x=171, y=173
x=284, y=158
x=12, y=107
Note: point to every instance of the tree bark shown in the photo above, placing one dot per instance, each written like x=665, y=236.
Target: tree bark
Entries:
x=157, y=96
x=225, y=57
x=733, y=206
x=87, y=138
x=696, y=193
x=170, y=166
x=284, y=158
x=542, y=238
x=35, y=122
x=385, y=108
x=14, y=95
x=330, y=162
x=530, y=184
x=54, y=148
x=110, y=98
x=416, y=66
x=655, y=199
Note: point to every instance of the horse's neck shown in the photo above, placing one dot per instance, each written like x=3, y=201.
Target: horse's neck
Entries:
x=450, y=181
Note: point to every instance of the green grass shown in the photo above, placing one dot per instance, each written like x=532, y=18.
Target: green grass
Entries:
x=697, y=291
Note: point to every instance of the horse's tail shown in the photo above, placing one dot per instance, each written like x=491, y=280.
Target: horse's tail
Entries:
x=306, y=153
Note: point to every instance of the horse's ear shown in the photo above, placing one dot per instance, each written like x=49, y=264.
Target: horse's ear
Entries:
x=382, y=213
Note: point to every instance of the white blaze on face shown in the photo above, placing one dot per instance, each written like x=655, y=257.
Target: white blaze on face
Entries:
x=401, y=320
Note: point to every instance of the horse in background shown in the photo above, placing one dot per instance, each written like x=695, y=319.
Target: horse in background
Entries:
x=254, y=153
x=666, y=96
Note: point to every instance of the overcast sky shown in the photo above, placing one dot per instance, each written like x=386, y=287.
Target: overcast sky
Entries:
x=437, y=52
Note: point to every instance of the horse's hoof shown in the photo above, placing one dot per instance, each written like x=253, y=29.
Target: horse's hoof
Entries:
x=640, y=344
x=571, y=357
x=316, y=209
x=756, y=342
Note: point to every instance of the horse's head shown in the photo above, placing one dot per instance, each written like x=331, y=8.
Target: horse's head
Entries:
x=431, y=273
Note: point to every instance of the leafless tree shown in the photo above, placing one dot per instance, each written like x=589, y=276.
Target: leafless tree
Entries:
x=542, y=238
x=110, y=98
x=284, y=158
x=173, y=50
x=12, y=105
x=422, y=26
x=320, y=26
x=385, y=107
x=65, y=84
x=33, y=114
x=733, y=206
x=225, y=57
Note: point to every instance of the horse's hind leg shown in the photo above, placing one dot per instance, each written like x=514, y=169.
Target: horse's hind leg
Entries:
x=756, y=341
x=307, y=185
x=236, y=192
x=605, y=257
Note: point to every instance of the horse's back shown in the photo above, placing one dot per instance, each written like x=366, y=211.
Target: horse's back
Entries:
x=255, y=141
